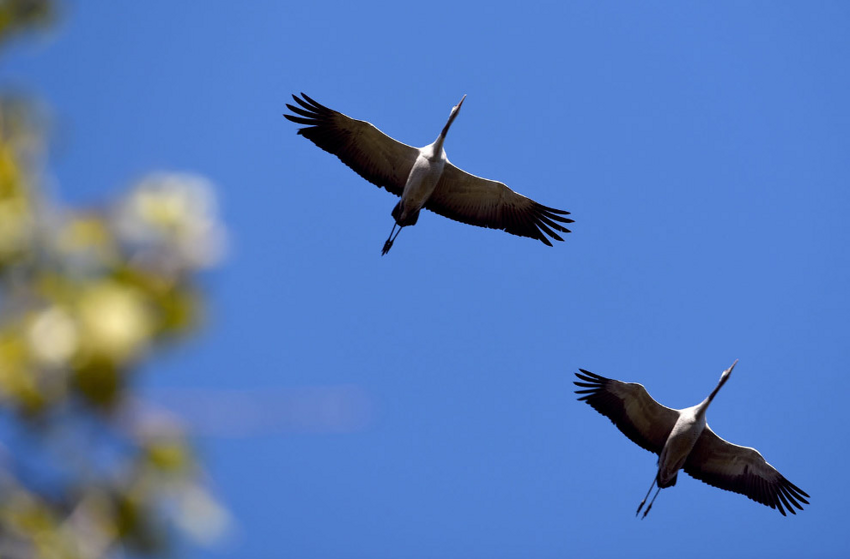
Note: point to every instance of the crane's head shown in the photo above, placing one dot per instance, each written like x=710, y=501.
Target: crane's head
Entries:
x=455, y=110
x=728, y=371
x=724, y=376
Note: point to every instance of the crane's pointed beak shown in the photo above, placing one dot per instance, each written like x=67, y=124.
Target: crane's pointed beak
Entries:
x=729, y=370
x=457, y=107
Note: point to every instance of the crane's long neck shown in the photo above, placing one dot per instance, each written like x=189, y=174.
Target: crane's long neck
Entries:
x=438, y=145
x=717, y=388
x=723, y=378
x=448, y=124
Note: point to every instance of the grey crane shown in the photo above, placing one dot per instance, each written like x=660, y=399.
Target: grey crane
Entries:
x=423, y=177
x=683, y=440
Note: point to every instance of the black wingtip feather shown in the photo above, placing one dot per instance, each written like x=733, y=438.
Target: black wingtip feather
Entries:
x=299, y=120
x=302, y=112
x=541, y=224
x=312, y=102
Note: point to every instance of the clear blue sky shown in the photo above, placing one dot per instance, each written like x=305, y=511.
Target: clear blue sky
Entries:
x=703, y=152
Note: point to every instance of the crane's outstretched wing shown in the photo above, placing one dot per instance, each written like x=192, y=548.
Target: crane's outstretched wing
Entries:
x=476, y=201
x=743, y=470
x=630, y=407
x=372, y=154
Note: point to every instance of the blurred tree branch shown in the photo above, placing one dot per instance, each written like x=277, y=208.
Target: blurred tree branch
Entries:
x=85, y=296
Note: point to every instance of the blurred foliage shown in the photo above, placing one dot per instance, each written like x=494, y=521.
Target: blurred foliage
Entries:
x=23, y=15
x=86, y=296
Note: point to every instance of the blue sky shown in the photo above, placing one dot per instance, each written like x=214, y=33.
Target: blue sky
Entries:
x=703, y=152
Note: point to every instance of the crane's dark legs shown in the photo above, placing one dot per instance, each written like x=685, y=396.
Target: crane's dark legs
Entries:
x=650, y=503
x=389, y=244
x=640, y=506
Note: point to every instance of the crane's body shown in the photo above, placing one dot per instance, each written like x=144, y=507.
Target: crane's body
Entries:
x=684, y=441
x=679, y=444
x=684, y=435
x=424, y=177
x=422, y=181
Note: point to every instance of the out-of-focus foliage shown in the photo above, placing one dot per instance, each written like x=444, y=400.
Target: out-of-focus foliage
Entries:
x=85, y=297
x=22, y=15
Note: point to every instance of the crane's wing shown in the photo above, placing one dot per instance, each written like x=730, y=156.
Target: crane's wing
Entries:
x=630, y=407
x=372, y=154
x=743, y=470
x=476, y=201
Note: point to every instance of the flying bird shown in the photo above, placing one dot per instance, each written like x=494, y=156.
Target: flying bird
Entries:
x=423, y=177
x=683, y=440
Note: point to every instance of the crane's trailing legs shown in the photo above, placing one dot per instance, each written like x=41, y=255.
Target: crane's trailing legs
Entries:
x=640, y=506
x=389, y=244
x=657, y=491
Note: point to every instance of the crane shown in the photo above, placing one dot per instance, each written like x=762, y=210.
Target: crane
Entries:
x=683, y=440
x=423, y=177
